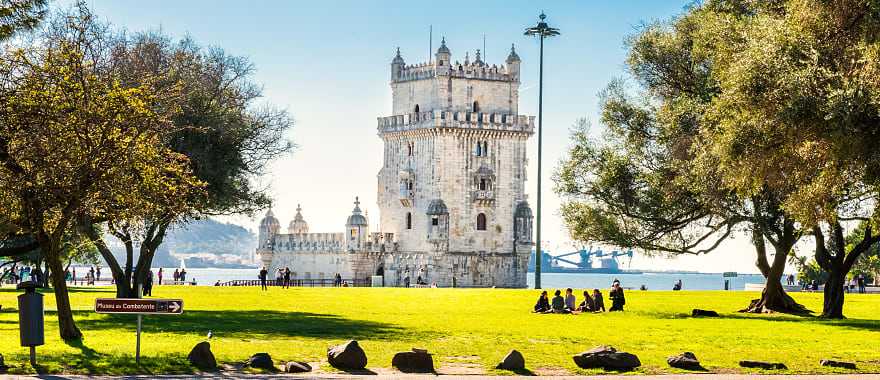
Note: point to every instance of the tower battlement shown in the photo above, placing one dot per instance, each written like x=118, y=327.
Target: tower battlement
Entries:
x=443, y=66
x=460, y=119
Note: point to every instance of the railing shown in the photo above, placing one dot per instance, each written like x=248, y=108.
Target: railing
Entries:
x=324, y=282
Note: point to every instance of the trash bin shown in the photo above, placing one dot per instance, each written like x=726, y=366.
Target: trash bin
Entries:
x=30, y=316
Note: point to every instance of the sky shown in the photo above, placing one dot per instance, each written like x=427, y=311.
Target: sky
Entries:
x=328, y=63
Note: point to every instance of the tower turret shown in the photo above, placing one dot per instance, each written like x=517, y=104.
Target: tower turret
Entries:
x=513, y=63
x=442, y=58
x=357, y=228
x=269, y=227
x=298, y=225
x=397, y=65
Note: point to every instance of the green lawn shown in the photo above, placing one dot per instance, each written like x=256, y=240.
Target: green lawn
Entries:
x=468, y=330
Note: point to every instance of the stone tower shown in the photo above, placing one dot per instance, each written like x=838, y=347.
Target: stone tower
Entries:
x=452, y=185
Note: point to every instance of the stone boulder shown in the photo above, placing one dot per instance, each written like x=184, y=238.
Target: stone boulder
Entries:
x=838, y=364
x=514, y=361
x=704, y=313
x=761, y=365
x=201, y=357
x=686, y=360
x=348, y=355
x=608, y=358
x=415, y=361
x=261, y=360
x=3, y=366
x=297, y=367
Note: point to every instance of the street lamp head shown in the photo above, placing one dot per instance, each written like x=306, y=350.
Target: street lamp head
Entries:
x=542, y=29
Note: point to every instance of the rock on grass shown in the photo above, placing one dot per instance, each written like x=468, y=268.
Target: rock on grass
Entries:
x=608, y=358
x=348, y=355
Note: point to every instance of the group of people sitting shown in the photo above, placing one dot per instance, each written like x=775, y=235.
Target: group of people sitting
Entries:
x=590, y=304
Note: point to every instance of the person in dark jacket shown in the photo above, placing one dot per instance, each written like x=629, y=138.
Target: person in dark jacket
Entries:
x=543, y=304
x=616, y=296
x=557, y=305
x=262, y=276
x=598, y=301
x=587, y=305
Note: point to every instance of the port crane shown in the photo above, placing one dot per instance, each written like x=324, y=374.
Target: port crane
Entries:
x=587, y=256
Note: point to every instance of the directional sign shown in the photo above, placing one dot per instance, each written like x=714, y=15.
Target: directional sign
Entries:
x=138, y=306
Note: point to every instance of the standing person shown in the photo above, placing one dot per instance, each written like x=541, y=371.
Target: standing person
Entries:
x=92, y=276
x=263, y=274
x=598, y=301
x=176, y=276
x=616, y=296
x=543, y=304
x=861, y=283
x=338, y=280
x=98, y=273
x=287, y=277
x=406, y=281
x=570, y=300
x=148, y=284
x=159, y=276
x=183, y=275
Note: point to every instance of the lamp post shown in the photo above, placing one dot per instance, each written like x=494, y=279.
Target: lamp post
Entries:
x=541, y=30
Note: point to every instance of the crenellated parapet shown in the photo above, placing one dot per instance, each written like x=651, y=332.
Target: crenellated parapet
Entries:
x=449, y=119
x=456, y=70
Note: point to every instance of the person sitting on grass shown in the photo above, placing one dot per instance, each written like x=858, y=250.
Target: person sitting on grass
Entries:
x=587, y=305
x=543, y=304
x=616, y=296
x=557, y=305
x=570, y=300
x=598, y=301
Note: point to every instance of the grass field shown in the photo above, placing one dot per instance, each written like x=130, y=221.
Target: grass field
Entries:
x=467, y=330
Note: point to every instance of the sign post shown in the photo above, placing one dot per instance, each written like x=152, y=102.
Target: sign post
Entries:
x=139, y=306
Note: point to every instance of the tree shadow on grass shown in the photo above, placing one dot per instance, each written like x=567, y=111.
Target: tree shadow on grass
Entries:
x=245, y=324
x=854, y=323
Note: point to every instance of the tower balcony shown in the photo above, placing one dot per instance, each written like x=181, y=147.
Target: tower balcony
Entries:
x=460, y=120
x=483, y=196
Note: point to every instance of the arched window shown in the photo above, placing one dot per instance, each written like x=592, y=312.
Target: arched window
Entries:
x=485, y=148
x=479, y=149
x=416, y=109
x=483, y=184
x=476, y=106
x=481, y=222
x=409, y=185
x=435, y=221
x=409, y=221
x=410, y=148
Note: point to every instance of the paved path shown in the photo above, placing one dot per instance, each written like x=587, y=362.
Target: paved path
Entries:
x=236, y=376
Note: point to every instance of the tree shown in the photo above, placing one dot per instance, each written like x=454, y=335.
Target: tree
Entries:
x=227, y=137
x=649, y=184
x=797, y=110
x=74, y=139
x=20, y=15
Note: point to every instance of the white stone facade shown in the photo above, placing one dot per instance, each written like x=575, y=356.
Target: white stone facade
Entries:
x=451, y=188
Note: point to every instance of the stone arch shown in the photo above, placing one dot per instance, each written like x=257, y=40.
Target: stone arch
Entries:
x=481, y=222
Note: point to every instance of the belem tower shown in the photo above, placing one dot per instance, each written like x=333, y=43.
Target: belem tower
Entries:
x=451, y=190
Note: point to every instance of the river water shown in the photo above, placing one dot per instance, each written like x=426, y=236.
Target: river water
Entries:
x=653, y=281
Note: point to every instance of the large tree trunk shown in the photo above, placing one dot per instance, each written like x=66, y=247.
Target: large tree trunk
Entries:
x=832, y=306
x=773, y=297
x=66, y=325
x=120, y=279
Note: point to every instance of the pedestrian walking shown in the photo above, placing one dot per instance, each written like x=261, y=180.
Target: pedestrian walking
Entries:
x=262, y=276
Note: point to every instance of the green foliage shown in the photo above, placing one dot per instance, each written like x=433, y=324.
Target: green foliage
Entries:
x=20, y=15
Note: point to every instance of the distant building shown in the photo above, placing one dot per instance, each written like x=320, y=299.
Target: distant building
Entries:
x=451, y=190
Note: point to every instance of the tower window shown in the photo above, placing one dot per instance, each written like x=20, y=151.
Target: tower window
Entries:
x=479, y=151
x=409, y=221
x=435, y=221
x=410, y=148
x=476, y=106
x=417, y=109
x=485, y=148
x=481, y=222
x=482, y=184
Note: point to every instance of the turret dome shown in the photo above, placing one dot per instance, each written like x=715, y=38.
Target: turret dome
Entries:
x=269, y=221
x=512, y=57
x=298, y=225
x=437, y=207
x=397, y=58
x=443, y=49
x=356, y=218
